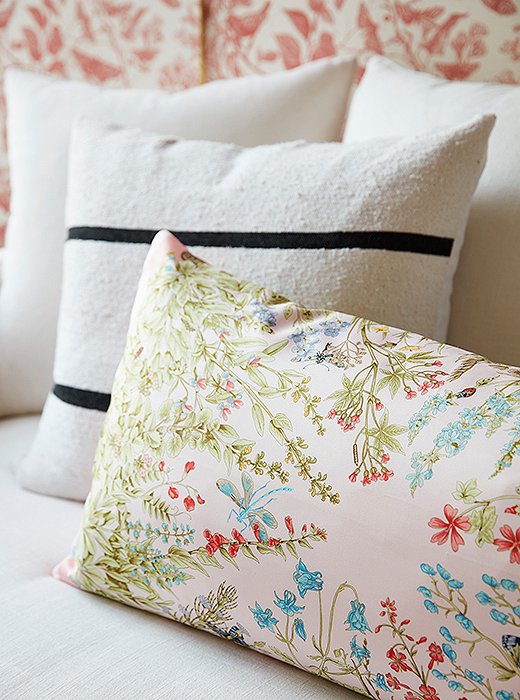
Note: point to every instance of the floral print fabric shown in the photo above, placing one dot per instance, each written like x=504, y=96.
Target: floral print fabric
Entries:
x=324, y=489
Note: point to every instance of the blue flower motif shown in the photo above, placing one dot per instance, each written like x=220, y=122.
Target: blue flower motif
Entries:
x=504, y=695
x=475, y=677
x=508, y=584
x=263, y=313
x=490, y=580
x=427, y=569
x=420, y=473
x=439, y=403
x=453, y=438
x=439, y=675
x=454, y=685
x=498, y=616
x=356, y=619
x=357, y=651
x=500, y=406
x=380, y=681
x=299, y=628
x=483, y=598
x=473, y=418
x=516, y=610
x=453, y=583
x=264, y=618
x=425, y=591
x=287, y=604
x=465, y=622
x=418, y=421
x=449, y=651
x=443, y=573
x=446, y=634
x=333, y=326
x=307, y=580
x=430, y=606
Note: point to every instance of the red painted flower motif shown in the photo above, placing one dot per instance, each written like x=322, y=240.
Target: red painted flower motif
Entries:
x=436, y=655
x=200, y=500
x=215, y=542
x=256, y=532
x=289, y=524
x=510, y=541
x=233, y=549
x=397, y=660
x=173, y=492
x=428, y=692
x=189, y=504
x=189, y=466
x=450, y=528
x=410, y=393
x=237, y=536
x=389, y=608
x=394, y=682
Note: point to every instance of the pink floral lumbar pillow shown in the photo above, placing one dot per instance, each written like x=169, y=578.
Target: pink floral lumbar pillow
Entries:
x=335, y=493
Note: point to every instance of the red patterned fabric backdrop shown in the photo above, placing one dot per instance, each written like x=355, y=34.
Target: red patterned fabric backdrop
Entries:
x=155, y=43
x=457, y=39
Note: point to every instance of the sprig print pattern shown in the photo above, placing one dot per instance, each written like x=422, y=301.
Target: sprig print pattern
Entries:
x=498, y=412
x=421, y=667
x=240, y=430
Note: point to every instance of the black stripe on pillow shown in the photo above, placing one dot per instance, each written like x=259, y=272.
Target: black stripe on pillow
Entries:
x=333, y=240
x=93, y=400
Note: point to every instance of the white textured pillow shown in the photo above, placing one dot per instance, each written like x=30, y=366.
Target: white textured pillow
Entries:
x=308, y=102
x=394, y=101
x=387, y=218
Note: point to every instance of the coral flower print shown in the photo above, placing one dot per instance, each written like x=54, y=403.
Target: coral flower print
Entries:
x=509, y=542
x=450, y=527
x=397, y=660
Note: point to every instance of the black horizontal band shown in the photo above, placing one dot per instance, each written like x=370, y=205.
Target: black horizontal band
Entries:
x=94, y=400
x=333, y=240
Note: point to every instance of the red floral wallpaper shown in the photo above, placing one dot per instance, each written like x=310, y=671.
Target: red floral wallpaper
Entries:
x=457, y=39
x=155, y=43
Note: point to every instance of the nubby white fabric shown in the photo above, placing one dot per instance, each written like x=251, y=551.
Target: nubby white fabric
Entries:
x=386, y=217
x=308, y=102
x=392, y=101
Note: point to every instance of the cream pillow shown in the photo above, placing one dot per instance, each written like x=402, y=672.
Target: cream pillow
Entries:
x=308, y=102
x=394, y=101
x=373, y=229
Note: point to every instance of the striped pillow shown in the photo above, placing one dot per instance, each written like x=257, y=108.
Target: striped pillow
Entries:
x=372, y=229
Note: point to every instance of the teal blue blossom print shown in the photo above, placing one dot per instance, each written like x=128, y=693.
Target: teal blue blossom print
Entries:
x=307, y=580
